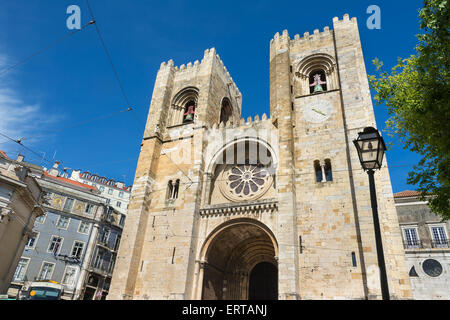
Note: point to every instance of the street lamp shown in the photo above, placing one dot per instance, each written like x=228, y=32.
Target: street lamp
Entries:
x=370, y=146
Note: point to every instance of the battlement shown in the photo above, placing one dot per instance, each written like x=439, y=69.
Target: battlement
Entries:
x=244, y=124
x=210, y=57
x=278, y=40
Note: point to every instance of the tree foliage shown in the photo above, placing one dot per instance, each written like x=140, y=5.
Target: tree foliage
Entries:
x=417, y=95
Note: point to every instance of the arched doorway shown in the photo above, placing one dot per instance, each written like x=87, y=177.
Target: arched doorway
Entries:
x=234, y=252
x=263, y=284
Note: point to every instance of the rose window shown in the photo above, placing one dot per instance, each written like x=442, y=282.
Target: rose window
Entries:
x=245, y=182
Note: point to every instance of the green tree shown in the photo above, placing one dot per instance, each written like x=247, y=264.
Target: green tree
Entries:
x=417, y=95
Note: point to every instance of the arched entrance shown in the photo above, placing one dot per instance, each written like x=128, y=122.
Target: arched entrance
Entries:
x=236, y=256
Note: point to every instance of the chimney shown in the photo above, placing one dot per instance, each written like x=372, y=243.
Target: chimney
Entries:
x=54, y=170
x=20, y=158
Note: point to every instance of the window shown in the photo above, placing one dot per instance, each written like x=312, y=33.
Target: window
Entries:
x=318, y=171
x=55, y=245
x=122, y=220
x=328, y=172
x=183, y=106
x=105, y=236
x=172, y=190
x=353, y=259
x=117, y=243
x=439, y=237
x=118, y=204
x=323, y=172
x=63, y=222
x=432, y=268
x=102, y=188
x=77, y=249
x=69, y=276
x=411, y=238
x=110, y=191
x=98, y=260
x=226, y=111
x=46, y=271
x=84, y=227
x=21, y=269
x=412, y=272
x=111, y=266
x=69, y=204
x=31, y=244
x=108, y=201
x=121, y=194
x=89, y=208
x=317, y=81
x=41, y=219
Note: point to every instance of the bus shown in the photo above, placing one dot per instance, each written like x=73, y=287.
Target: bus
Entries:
x=41, y=290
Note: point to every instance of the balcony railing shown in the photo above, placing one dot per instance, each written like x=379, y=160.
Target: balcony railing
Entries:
x=442, y=243
x=413, y=244
x=419, y=244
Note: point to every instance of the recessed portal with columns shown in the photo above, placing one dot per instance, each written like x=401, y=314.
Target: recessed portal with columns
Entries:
x=233, y=262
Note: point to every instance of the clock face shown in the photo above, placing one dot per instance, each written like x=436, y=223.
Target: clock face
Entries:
x=318, y=111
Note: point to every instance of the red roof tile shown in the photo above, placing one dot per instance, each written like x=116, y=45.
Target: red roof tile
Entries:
x=3, y=154
x=407, y=193
x=71, y=181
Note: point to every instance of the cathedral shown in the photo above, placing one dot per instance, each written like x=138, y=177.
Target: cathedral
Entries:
x=274, y=207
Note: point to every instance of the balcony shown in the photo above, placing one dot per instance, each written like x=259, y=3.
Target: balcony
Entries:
x=101, y=271
x=426, y=244
x=441, y=243
x=413, y=244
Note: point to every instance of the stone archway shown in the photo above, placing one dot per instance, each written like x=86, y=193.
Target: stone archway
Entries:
x=231, y=254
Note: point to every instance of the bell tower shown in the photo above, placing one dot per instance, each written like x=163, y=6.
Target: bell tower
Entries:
x=156, y=257
x=320, y=98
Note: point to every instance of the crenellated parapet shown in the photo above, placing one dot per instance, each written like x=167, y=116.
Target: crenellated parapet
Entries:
x=256, y=122
x=283, y=41
x=210, y=59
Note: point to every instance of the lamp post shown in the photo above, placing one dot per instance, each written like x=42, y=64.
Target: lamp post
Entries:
x=370, y=146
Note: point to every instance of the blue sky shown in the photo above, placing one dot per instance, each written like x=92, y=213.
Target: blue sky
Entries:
x=73, y=81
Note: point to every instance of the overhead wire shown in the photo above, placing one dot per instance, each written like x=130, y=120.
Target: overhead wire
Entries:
x=116, y=74
x=23, y=61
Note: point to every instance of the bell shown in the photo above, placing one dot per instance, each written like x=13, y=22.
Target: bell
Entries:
x=318, y=88
x=189, y=115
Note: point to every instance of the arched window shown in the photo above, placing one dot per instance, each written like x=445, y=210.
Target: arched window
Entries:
x=226, y=111
x=318, y=171
x=176, y=189
x=316, y=73
x=328, y=171
x=317, y=81
x=172, y=190
x=169, y=190
x=183, y=107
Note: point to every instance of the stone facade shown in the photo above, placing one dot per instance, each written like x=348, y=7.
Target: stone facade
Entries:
x=217, y=205
x=20, y=205
x=427, y=248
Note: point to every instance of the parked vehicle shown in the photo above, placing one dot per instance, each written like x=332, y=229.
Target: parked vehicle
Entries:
x=41, y=290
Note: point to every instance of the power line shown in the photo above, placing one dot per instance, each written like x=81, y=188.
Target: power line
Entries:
x=4, y=71
x=116, y=74
x=19, y=142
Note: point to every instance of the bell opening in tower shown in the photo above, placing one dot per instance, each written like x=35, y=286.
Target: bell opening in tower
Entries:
x=317, y=81
x=189, y=112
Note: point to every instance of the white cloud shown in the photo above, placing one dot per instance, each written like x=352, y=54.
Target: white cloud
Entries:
x=18, y=119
